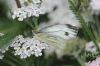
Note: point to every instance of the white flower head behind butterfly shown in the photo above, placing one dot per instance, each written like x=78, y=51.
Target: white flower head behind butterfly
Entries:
x=59, y=12
x=95, y=6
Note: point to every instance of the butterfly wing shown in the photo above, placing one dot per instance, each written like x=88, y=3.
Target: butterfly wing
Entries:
x=64, y=31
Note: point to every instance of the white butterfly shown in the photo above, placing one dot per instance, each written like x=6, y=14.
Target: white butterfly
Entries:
x=58, y=38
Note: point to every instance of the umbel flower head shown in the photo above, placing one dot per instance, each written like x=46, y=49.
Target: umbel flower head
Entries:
x=25, y=47
x=59, y=12
x=90, y=47
x=32, y=9
x=95, y=6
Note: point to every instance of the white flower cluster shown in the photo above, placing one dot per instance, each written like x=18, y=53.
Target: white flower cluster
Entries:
x=27, y=11
x=59, y=12
x=25, y=47
x=90, y=47
x=95, y=5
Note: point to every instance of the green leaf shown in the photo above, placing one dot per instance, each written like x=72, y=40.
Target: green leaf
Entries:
x=10, y=30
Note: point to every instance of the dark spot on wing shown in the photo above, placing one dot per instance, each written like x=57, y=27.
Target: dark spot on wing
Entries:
x=55, y=8
x=66, y=33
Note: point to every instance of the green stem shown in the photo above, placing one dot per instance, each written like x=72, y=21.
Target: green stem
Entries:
x=80, y=61
x=84, y=25
x=97, y=24
x=76, y=55
x=9, y=62
x=29, y=23
x=35, y=20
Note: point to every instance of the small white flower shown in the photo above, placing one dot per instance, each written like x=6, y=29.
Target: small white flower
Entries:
x=13, y=16
x=59, y=12
x=1, y=34
x=20, y=19
x=1, y=56
x=38, y=52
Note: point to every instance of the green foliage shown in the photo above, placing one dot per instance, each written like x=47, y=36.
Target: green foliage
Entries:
x=10, y=30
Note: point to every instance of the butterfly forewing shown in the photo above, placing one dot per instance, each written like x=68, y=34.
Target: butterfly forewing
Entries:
x=65, y=31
